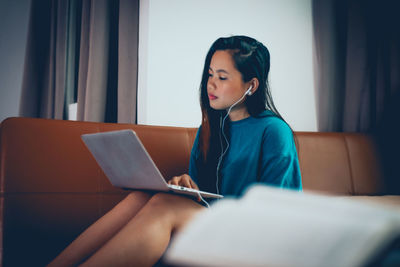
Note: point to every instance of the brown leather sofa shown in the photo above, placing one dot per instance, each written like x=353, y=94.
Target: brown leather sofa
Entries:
x=52, y=188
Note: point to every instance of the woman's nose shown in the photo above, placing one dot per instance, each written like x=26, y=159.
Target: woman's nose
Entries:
x=211, y=83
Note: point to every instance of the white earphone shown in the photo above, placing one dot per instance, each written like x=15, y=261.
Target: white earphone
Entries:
x=248, y=92
x=221, y=124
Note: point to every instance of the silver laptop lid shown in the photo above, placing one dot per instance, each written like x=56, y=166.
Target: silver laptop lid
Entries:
x=126, y=163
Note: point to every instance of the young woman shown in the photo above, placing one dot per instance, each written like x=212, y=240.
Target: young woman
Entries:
x=242, y=140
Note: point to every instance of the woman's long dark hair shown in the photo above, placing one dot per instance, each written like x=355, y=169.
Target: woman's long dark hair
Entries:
x=252, y=60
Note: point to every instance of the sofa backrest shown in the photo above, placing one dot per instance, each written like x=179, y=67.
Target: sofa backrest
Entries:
x=339, y=163
x=39, y=155
x=51, y=188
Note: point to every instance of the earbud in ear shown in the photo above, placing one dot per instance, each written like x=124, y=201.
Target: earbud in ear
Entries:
x=248, y=92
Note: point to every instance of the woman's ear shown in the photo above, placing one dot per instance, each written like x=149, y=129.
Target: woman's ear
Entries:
x=253, y=83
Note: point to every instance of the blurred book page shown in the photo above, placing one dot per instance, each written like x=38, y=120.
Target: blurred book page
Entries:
x=274, y=227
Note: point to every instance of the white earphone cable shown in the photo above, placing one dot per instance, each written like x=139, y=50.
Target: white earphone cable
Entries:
x=223, y=151
x=202, y=199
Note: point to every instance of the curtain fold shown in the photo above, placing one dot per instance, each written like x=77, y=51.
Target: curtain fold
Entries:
x=72, y=53
x=328, y=67
x=93, y=107
x=38, y=86
x=83, y=59
x=57, y=63
x=82, y=50
x=128, y=60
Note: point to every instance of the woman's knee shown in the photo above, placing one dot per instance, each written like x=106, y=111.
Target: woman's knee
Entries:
x=169, y=204
x=138, y=196
x=160, y=200
x=135, y=199
x=169, y=200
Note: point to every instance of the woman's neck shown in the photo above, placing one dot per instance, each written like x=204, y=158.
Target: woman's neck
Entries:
x=239, y=113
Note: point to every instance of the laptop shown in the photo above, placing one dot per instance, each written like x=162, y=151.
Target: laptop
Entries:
x=126, y=163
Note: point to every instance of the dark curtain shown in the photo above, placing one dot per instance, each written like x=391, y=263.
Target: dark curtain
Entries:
x=82, y=51
x=357, y=58
x=43, y=89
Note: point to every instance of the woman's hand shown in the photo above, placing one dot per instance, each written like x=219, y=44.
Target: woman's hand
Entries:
x=186, y=181
x=183, y=180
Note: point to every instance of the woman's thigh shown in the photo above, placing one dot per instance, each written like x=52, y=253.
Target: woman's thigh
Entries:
x=122, y=213
x=175, y=209
x=143, y=240
x=102, y=230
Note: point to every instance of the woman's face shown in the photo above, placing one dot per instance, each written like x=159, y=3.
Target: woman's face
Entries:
x=225, y=85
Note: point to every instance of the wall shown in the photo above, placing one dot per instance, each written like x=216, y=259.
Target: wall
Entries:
x=175, y=36
x=14, y=16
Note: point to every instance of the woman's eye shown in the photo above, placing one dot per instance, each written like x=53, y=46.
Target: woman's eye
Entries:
x=209, y=75
x=222, y=78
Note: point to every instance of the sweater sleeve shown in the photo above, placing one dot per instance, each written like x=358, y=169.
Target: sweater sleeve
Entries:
x=279, y=162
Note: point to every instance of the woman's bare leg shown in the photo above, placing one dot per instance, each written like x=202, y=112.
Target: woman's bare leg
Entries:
x=145, y=238
x=102, y=230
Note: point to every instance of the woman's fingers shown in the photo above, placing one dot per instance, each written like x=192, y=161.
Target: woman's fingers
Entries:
x=179, y=180
x=185, y=181
x=174, y=180
x=193, y=185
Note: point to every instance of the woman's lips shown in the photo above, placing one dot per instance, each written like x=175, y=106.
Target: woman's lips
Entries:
x=212, y=97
